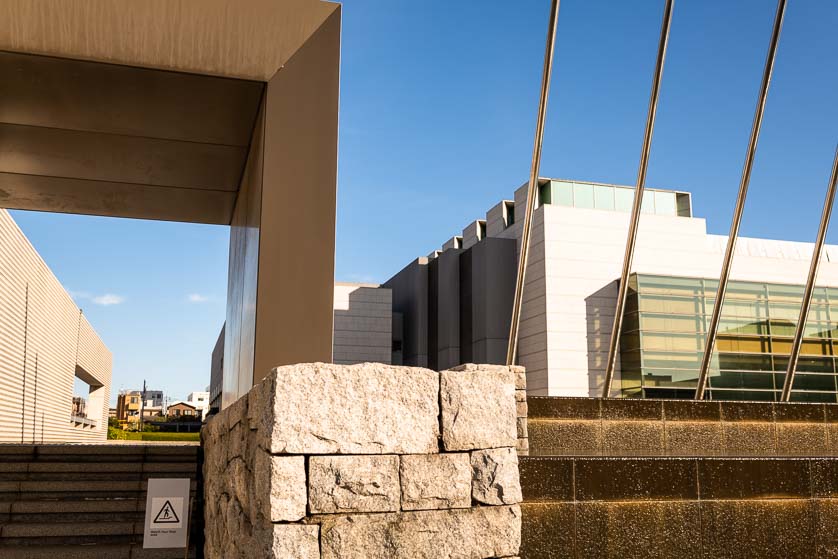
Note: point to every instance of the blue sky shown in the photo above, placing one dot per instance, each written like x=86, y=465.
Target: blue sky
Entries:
x=438, y=104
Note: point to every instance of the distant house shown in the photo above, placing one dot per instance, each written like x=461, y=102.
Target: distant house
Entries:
x=128, y=407
x=201, y=402
x=183, y=409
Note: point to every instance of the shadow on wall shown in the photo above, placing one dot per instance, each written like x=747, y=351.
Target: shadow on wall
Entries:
x=363, y=325
x=599, y=315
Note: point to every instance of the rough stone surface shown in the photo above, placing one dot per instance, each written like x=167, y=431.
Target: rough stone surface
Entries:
x=474, y=533
x=353, y=484
x=370, y=408
x=478, y=407
x=328, y=461
x=281, y=486
x=436, y=481
x=523, y=433
x=496, y=480
x=295, y=541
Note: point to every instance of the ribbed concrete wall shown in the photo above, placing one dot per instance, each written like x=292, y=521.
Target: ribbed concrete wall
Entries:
x=45, y=341
x=363, y=324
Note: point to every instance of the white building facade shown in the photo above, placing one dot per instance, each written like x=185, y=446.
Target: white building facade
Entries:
x=577, y=245
x=46, y=345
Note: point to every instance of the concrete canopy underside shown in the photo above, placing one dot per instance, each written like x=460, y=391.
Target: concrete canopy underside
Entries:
x=208, y=111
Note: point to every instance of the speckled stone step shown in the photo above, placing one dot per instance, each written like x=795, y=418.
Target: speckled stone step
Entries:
x=626, y=427
x=679, y=508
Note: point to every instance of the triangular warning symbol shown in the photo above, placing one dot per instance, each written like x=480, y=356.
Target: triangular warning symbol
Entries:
x=166, y=515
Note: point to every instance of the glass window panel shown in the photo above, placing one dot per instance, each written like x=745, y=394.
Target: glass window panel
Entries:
x=562, y=193
x=786, y=311
x=603, y=197
x=648, y=204
x=631, y=322
x=630, y=341
x=743, y=362
x=630, y=360
x=743, y=326
x=670, y=305
x=826, y=397
x=738, y=344
x=683, y=201
x=744, y=309
x=545, y=193
x=806, y=364
x=745, y=290
x=756, y=331
x=583, y=195
x=665, y=203
x=803, y=381
x=631, y=304
x=786, y=293
x=782, y=327
x=782, y=346
x=663, y=360
x=732, y=379
x=815, y=329
x=623, y=199
x=816, y=347
x=753, y=395
x=669, y=378
x=687, y=287
x=671, y=341
x=671, y=323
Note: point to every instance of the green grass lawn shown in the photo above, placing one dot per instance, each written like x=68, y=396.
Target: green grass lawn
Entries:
x=118, y=434
x=171, y=436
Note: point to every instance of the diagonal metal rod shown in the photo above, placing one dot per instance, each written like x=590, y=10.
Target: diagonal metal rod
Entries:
x=631, y=240
x=810, y=281
x=713, y=327
x=512, y=350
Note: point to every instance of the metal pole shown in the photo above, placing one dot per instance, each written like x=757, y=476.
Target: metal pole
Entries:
x=810, y=282
x=713, y=327
x=628, y=257
x=142, y=410
x=512, y=350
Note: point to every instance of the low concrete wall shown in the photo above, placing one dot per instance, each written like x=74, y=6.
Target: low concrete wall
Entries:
x=366, y=461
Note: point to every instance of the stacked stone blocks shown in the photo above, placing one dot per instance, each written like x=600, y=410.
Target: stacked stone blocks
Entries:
x=366, y=461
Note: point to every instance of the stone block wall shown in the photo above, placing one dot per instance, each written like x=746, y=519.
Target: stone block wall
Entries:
x=366, y=461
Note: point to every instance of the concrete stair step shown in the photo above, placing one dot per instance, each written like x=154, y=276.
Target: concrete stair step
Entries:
x=92, y=551
x=73, y=506
x=75, y=486
x=84, y=500
x=73, y=517
x=81, y=529
x=98, y=467
x=74, y=453
x=97, y=476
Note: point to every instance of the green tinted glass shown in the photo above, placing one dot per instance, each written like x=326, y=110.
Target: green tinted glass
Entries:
x=583, y=195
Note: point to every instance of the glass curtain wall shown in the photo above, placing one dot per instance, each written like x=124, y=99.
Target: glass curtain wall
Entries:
x=664, y=331
x=615, y=198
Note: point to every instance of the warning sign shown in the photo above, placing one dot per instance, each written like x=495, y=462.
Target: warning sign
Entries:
x=166, y=513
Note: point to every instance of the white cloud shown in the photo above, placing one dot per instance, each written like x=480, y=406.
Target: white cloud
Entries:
x=197, y=298
x=108, y=299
